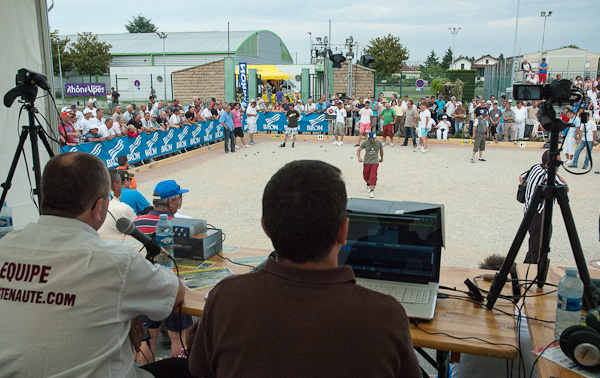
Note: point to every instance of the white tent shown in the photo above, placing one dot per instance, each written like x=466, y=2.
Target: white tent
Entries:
x=26, y=44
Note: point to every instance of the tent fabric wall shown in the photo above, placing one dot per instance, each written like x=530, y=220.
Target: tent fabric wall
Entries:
x=26, y=38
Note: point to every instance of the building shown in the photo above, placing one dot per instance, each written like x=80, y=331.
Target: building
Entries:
x=363, y=80
x=568, y=61
x=481, y=63
x=461, y=63
x=411, y=71
x=141, y=59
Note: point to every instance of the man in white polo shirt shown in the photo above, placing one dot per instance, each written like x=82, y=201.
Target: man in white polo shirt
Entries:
x=340, y=124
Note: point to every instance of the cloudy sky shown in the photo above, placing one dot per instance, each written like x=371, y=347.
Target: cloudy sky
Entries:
x=487, y=27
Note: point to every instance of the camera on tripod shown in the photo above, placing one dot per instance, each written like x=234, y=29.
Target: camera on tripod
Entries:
x=559, y=91
x=27, y=82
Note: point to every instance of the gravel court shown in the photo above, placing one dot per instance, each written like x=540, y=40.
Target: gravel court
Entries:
x=482, y=214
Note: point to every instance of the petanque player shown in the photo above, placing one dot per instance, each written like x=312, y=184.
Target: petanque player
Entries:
x=373, y=148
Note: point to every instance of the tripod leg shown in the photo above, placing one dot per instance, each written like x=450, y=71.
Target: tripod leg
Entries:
x=589, y=298
x=37, y=171
x=542, y=258
x=501, y=277
x=44, y=140
x=13, y=167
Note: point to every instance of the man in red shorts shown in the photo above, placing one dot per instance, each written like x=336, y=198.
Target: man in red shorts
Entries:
x=373, y=148
x=388, y=118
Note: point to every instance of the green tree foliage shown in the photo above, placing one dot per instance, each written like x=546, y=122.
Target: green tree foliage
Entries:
x=388, y=52
x=432, y=68
x=431, y=60
x=66, y=61
x=90, y=56
x=447, y=59
x=140, y=24
x=501, y=57
x=571, y=46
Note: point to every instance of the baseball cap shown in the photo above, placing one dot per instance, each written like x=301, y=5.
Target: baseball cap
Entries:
x=73, y=106
x=168, y=189
x=372, y=136
x=459, y=103
x=488, y=102
x=510, y=101
x=444, y=116
x=124, y=174
x=87, y=111
x=64, y=109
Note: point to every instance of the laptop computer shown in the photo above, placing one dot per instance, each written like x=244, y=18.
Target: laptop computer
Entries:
x=398, y=255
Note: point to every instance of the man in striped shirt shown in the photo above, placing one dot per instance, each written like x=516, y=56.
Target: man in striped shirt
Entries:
x=167, y=200
x=537, y=175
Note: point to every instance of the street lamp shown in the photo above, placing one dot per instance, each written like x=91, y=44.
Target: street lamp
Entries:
x=163, y=36
x=311, y=47
x=349, y=55
x=62, y=88
x=454, y=32
x=545, y=15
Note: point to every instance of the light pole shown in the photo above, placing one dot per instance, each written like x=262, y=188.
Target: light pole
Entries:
x=311, y=47
x=545, y=15
x=349, y=55
x=62, y=88
x=163, y=36
x=454, y=32
x=512, y=61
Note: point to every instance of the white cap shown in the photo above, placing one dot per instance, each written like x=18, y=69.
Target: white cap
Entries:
x=65, y=109
x=86, y=111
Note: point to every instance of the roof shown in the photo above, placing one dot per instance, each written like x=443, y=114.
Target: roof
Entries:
x=209, y=42
x=267, y=72
x=460, y=58
x=484, y=56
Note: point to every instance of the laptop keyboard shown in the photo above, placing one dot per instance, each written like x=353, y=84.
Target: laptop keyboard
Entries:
x=407, y=295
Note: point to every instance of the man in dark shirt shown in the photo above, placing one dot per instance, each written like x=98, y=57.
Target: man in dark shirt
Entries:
x=303, y=315
x=292, y=126
x=137, y=123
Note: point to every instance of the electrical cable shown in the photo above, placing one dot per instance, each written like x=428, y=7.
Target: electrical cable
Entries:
x=222, y=243
x=538, y=357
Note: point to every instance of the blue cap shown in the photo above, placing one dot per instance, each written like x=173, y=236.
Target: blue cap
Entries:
x=372, y=136
x=168, y=189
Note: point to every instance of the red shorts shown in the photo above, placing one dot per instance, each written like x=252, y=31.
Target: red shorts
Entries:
x=543, y=77
x=388, y=130
x=365, y=127
x=370, y=173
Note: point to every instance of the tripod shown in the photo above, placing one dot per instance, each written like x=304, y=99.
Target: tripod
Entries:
x=34, y=131
x=547, y=193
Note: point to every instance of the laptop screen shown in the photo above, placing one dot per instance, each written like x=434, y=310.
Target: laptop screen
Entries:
x=397, y=248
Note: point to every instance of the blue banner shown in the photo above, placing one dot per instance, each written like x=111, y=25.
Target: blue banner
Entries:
x=161, y=143
x=150, y=146
x=277, y=121
x=243, y=77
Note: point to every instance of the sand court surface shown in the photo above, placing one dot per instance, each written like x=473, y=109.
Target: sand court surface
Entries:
x=481, y=210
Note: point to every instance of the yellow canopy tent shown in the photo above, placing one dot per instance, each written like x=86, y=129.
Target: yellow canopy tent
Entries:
x=267, y=72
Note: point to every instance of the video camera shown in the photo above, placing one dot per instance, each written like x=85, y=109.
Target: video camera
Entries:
x=559, y=92
x=27, y=82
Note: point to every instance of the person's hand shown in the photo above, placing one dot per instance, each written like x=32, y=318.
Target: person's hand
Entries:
x=381, y=160
x=360, y=160
x=136, y=333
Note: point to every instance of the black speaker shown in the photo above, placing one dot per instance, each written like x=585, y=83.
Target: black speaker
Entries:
x=582, y=343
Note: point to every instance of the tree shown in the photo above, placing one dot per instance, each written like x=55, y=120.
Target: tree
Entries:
x=501, y=57
x=66, y=61
x=571, y=46
x=447, y=59
x=432, y=59
x=141, y=24
x=388, y=52
x=90, y=56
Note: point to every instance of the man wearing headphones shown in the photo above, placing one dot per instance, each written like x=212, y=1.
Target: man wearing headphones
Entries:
x=302, y=315
x=58, y=272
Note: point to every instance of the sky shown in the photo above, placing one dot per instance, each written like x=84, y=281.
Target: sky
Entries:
x=487, y=27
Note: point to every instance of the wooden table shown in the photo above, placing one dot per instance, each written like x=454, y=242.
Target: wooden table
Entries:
x=459, y=318
x=544, y=307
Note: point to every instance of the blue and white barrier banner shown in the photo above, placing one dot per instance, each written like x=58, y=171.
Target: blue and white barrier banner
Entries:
x=243, y=77
x=150, y=146
x=85, y=89
x=277, y=121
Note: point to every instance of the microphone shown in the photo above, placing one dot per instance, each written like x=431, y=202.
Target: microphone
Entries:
x=126, y=226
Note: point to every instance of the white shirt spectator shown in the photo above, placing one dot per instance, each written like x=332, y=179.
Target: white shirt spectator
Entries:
x=340, y=115
x=520, y=114
x=589, y=127
x=251, y=111
x=365, y=115
x=206, y=114
x=450, y=108
x=105, y=132
x=532, y=79
x=83, y=126
x=309, y=107
x=92, y=101
x=423, y=118
x=127, y=116
x=147, y=124
x=96, y=121
x=175, y=119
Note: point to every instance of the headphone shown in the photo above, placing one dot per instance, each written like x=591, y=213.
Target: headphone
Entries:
x=582, y=343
